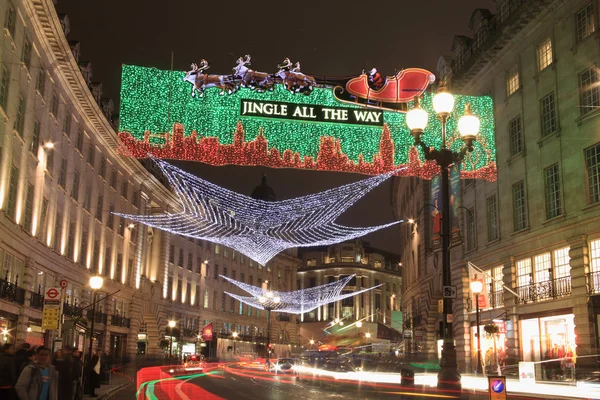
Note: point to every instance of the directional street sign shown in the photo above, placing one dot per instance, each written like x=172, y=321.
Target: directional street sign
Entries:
x=449, y=292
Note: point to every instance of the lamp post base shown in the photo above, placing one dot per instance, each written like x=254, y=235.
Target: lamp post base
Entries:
x=449, y=377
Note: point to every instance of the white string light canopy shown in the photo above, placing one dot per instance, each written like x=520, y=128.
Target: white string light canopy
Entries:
x=296, y=302
x=256, y=228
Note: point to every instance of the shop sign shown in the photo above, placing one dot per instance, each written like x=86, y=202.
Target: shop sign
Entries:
x=526, y=372
x=497, y=387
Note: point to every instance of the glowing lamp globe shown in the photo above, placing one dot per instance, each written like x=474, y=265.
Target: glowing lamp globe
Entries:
x=443, y=102
x=171, y=324
x=358, y=324
x=476, y=287
x=367, y=335
x=416, y=118
x=468, y=124
x=96, y=282
x=276, y=300
x=262, y=299
x=234, y=334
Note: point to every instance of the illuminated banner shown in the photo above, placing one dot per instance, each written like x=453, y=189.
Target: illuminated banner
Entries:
x=312, y=113
x=287, y=119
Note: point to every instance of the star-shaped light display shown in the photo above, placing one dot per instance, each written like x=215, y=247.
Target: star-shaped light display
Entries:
x=257, y=228
x=297, y=302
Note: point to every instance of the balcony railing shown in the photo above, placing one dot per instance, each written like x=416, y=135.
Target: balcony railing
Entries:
x=594, y=282
x=117, y=320
x=37, y=300
x=545, y=290
x=72, y=311
x=496, y=298
x=12, y=292
x=100, y=317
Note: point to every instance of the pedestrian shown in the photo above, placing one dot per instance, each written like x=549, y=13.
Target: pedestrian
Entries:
x=39, y=380
x=78, y=364
x=8, y=377
x=20, y=360
x=66, y=373
x=93, y=373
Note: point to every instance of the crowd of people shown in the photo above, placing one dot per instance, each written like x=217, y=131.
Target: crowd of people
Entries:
x=32, y=374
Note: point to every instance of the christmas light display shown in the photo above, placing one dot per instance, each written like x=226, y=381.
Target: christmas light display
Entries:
x=214, y=129
x=259, y=229
x=297, y=302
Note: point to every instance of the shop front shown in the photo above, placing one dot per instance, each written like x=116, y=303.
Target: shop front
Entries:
x=493, y=345
x=549, y=342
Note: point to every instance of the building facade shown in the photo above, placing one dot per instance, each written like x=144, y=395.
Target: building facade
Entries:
x=61, y=179
x=536, y=230
x=372, y=267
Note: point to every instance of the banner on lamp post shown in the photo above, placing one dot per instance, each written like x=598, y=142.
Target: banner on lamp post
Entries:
x=484, y=298
x=436, y=213
x=207, y=333
x=455, y=238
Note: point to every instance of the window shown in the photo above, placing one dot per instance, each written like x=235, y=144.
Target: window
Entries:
x=588, y=90
x=67, y=122
x=87, y=200
x=189, y=262
x=40, y=84
x=125, y=189
x=79, y=142
x=26, y=53
x=102, y=172
x=28, y=208
x=548, y=109
x=543, y=267
x=20, y=120
x=11, y=19
x=50, y=162
x=54, y=105
x=99, y=206
x=592, y=164
x=471, y=229
x=512, y=81
x=62, y=177
x=595, y=256
x=4, y=87
x=225, y=272
x=57, y=230
x=11, y=206
x=75, y=187
x=71, y=241
x=217, y=249
x=216, y=270
x=223, y=300
x=516, y=136
x=35, y=138
x=562, y=265
x=96, y=256
x=172, y=254
x=544, y=54
x=91, y=155
x=214, y=303
x=492, y=218
x=121, y=228
x=180, y=263
x=119, y=268
x=84, y=248
x=553, y=200
x=43, y=220
x=584, y=22
x=107, y=260
x=110, y=221
x=524, y=276
x=113, y=179
x=519, y=206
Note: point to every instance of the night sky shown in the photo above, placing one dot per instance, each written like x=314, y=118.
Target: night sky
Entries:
x=328, y=37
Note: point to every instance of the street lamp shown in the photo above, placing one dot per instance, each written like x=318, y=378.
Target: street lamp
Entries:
x=235, y=335
x=312, y=342
x=95, y=283
x=269, y=302
x=476, y=288
x=171, y=326
x=416, y=119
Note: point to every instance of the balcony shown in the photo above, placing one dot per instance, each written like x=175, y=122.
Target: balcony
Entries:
x=72, y=311
x=594, y=282
x=11, y=292
x=496, y=298
x=546, y=290
x=190, y=332
x=99, y=317
x=117, y=320
x=37, y=300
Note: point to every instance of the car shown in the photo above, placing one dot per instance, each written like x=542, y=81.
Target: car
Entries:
x=284, y=365
x=193, y=363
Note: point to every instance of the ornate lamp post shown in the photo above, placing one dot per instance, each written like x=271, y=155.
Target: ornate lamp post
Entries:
x=171, y=326
x=96, y=284
x=476, y=288
x=468, y=125
x=269, y=302
x=235, y=335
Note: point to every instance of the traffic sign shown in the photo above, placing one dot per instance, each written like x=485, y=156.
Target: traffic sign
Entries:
x=449, y=292
x=52, y=294
x=63, y=283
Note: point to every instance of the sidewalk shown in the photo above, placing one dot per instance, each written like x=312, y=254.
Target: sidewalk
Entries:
x=120, y=378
